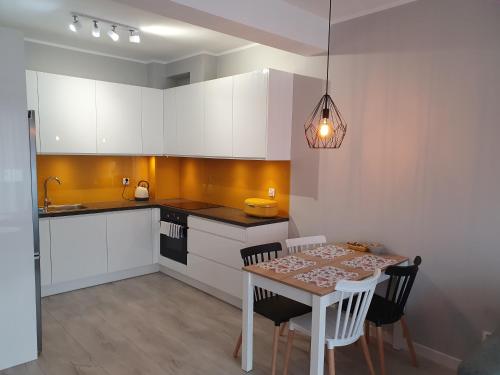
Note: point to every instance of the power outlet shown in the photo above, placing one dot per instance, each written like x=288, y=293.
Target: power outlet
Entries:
x=125, y=181
x=271, y=193
x=485, y=335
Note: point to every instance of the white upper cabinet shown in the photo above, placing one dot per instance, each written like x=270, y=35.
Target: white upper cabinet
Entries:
x=250, y=115
x=170, y=122
x=219, y=117
x=67, y=115
x=262, y=115
x=119, y=128
x=130, y=243
x=32, y=100
x=152, y=121
x=190, y=119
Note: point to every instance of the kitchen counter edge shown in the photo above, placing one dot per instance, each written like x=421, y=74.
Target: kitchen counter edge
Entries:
x=100, y=208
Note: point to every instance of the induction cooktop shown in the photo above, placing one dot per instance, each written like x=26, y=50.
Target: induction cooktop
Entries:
x=191, y=205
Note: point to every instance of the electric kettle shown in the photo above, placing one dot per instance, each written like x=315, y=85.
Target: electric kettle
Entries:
x=142, y=191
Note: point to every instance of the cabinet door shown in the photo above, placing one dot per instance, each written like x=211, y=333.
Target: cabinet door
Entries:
x=67, y=115
x=190, y=118
x=78, y=247
x=250, y=115
x=129, y=240
x=170, y=122
x=219, y=117
x=32, y=101
x=45, y=262
x=118, y=118
x=152, y=121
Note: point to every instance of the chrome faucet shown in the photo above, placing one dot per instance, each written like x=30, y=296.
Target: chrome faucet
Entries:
x=46, y=200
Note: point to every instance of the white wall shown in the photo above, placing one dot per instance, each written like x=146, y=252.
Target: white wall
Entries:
x=419, y=86
x=17, y=270
x=50, y=59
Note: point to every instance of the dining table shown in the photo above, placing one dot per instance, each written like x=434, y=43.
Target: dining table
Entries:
x=309, y=277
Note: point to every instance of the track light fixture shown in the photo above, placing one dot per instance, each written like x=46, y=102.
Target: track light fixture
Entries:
x=96, y=30
x=134, y=37
x=113, y=32
x=75, y=25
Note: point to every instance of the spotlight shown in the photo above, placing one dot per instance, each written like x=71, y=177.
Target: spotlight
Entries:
x=96, y=31
x=134, y=37
x=113, y=34
x=75, y=25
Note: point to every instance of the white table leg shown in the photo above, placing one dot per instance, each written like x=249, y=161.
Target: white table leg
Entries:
x=247, y=327
x=318, y=335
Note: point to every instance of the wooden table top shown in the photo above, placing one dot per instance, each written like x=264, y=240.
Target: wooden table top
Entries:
x=317, y=270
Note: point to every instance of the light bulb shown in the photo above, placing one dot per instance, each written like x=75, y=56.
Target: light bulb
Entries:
x=75, y=25
x=325, y=128
x=134, y=37
x=96, y=31
x=113, y=34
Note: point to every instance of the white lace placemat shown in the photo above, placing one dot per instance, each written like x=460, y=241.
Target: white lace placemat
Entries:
x=286, y=264
x=369, y=262
x=328, y=252
x=326, y=277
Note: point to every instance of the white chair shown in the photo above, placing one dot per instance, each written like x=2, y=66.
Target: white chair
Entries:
x=295, y=245
x=344, y=324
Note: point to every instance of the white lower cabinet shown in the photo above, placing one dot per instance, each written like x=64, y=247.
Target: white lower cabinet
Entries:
x=45, y=262
x=130, y=243
x=214, y=251
x=78, y=247
x=215, y=275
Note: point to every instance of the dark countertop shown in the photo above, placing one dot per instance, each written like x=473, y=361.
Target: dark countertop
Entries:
x=224, y=214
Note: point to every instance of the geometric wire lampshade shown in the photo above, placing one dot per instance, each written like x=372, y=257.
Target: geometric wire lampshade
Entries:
x=325, y=127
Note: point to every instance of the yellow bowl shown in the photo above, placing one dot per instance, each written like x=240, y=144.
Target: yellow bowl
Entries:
x=259, y=207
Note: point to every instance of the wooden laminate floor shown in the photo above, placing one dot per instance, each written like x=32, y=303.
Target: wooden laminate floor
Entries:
x=157, y=325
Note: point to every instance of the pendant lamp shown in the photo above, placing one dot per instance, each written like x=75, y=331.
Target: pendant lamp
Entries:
x=325, y=127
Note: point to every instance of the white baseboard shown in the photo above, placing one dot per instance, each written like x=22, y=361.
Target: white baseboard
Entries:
x=49, y=290
x=398, y=342
x=436, y=356
x=203, y=287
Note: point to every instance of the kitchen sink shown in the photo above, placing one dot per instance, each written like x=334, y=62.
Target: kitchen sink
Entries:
x=63, y=207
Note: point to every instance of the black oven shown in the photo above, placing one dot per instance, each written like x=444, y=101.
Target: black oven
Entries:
x=173, y=235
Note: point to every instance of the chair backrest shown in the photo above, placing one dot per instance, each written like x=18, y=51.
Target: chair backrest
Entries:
x=257, y=254
x=400, y=283
x=295, y=245
x=355, y=299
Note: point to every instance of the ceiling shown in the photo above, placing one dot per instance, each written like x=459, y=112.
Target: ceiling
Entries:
x=47, y=21
x=343, y=10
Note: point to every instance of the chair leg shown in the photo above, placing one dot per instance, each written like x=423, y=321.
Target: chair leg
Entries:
x=276, y=340
x=331, y=361
x=238, y=346
x=380, y=340
x=367, y=331
x=289, y=344
x=283, y=328
x=366, y=353
x=409, y=341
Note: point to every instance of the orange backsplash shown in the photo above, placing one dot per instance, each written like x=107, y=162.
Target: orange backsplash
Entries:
x=225, y=182
x=230, y=182
x=89, y=178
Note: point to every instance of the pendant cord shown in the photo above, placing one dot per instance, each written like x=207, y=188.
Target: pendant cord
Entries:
x=328, y=53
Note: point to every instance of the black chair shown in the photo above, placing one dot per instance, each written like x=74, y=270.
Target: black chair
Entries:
x=277, y=308
x=390, y=309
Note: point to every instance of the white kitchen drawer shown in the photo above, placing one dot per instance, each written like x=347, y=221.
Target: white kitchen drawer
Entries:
x=221, y=229
x=216, y=275
x=220, y=249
